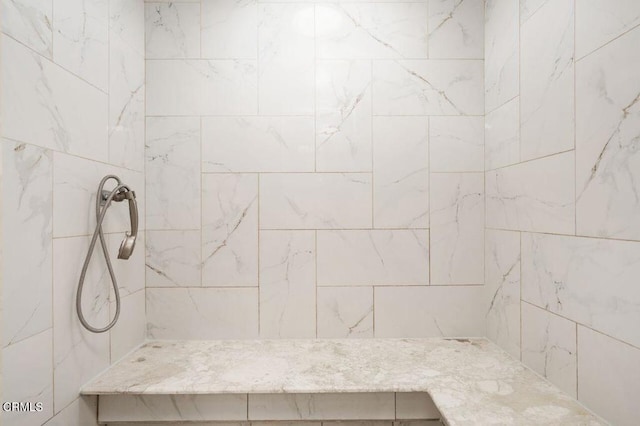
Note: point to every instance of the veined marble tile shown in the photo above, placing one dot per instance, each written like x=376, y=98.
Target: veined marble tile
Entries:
x=428, y=311
x=172, y=408
x=345, y=312
x=173, y=258
x=257, y=144
x=590, y=281
x=533, y=196
x=457, y=228
x=27, y=177
x=373, y=257
x=287, y=284
x=75, y=183
x=607, y=141
x=28, y=377
x=81, y=412
x=456, y=29
x=40, y=105
x=322, y=406
x=78, y=354
x=287, y=87
x=30, y=22
x=315, y=201
x=229, y=29
x=401, y=172
x=547, y=83
x=126, y=105
x=608, y=377
x=202, y=313
x=343, y=115
x=173, y=172
x=125, y=18
x=600, y=21
x=172, y=30
x=502, y=289
x=502, y=135
x=501, y=52
x=549, y=347
x=81, y=39
x=428, y=87
x=456, y=144
x=130, y=330
x=202, y=87
x=285, y=31
x=415, y=405
x=370, y=30
x=229, y=230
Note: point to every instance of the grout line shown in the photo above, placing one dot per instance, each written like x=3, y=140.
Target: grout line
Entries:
x=607, y=43
x=575, y=129
x=612, y=239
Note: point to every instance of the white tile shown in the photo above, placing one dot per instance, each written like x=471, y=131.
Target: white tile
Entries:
x=78, y=354
x=287, y=87
x=590, y=281
x=315, y=201
x=29, y=21
x=428, y=87
x=547, y=83
x=287, y=284
x=285, y=31
x=378, y=257
x=230, y=230
x=173, y=258
x=428, y=311
x=533, y=196
x=401, y=172
x=456, y=29
x=257, y=144
x=28, y=377
x=202, y=313
x=370, y=30
x=229, y=29
x=172, y=30
x=81, y=39
x=369, y=406
x=125, y=23
x=549, y=347
x=502, y=289
x=502, y=135
x=130, y=331
x=501, y=52
x=357, y=423
x=345, y=312
x=600, y=21
x=40, y=105
x=172, y=408
x=457, y=228
x=343, y=115
x=81, y=412
x=173, y=172
x=608, y=377
x=456, y=144
x=75, y=182
x=415, y=405
x=230, y=87
x=174, y=87
x=126, y=105
x=27, y=231
x=607, y=155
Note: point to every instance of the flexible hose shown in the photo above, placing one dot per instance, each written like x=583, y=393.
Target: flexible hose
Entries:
x=100, y=214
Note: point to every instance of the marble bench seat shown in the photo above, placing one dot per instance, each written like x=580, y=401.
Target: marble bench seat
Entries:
x=460, y=381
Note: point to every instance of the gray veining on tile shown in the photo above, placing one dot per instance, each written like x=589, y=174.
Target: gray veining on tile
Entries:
x=471, y=381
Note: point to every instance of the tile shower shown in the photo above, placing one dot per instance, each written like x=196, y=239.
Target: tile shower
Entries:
x=325, y=169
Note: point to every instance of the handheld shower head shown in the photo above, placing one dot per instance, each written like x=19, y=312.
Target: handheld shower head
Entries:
x=129, y=241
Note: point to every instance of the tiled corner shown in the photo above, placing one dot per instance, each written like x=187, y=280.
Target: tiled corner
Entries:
x=456, y=29
x=456, y=144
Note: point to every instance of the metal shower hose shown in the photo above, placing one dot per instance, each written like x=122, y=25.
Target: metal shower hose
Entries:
x=100, y=213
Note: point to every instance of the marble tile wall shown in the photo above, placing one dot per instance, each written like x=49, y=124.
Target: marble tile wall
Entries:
x=72, y=101
x=562, y=176
x=313, y=166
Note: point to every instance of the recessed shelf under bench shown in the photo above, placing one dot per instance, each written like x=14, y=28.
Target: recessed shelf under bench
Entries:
x=459, y=381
